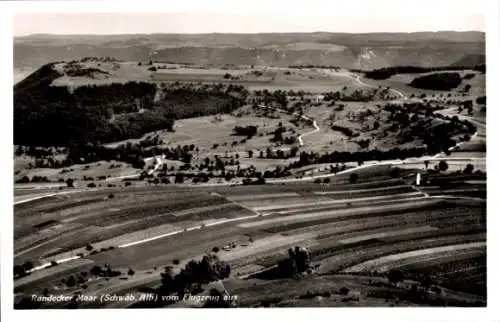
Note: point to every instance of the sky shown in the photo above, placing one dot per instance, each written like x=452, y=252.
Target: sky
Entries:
x=190, y=16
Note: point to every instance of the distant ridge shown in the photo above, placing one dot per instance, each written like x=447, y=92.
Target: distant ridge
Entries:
x=347, y=50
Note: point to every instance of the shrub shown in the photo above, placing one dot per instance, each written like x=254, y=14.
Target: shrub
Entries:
x=24, y=179
x=395, y=172
x=481, y=100
x=70, y=282
x=469, y=169
x=130, y=272
x=19, y=271
x=70, y=183
x=344, y=290
x=395, y=276
x=248, y=131
x=96, y=270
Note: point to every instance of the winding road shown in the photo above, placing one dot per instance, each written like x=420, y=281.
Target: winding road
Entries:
x=300, y=137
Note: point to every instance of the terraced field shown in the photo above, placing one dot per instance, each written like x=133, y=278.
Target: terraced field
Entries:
x=367, y=229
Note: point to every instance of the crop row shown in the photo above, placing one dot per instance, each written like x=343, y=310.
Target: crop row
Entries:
x=363, y=227
x=330, y=216
x=305, y=186
x=283, y=203
x=337, y=260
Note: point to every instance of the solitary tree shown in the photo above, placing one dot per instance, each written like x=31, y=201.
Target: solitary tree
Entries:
x=353, y=178
x=70, y=282
x=70, y=183
x=443, y=166
x=168, y=280
x=469, y=169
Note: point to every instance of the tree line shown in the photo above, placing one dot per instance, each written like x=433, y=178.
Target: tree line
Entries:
x=387, y=72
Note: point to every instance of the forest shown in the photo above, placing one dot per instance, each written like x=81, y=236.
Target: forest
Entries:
x=46, y=115
x=437, y=81
x=387, y=72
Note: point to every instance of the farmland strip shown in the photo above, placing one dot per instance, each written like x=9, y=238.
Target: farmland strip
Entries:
x=267, y=208
x=368, y=265
x=337, y=214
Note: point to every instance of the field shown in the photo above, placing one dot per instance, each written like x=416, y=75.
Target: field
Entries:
x=257, y=78
x=78, y=172
x=400, y=82
x=330, y=166
x=205, y=132
x=363, y=228
x=213, y=135
x=359, y=117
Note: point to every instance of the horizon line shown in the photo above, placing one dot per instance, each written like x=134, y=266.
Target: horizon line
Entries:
x=251, y=33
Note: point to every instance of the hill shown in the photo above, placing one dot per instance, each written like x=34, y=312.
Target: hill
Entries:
x=357, y=51
x=47, y=115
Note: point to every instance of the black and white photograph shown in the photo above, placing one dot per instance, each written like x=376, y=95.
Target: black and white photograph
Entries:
x=270, y=159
